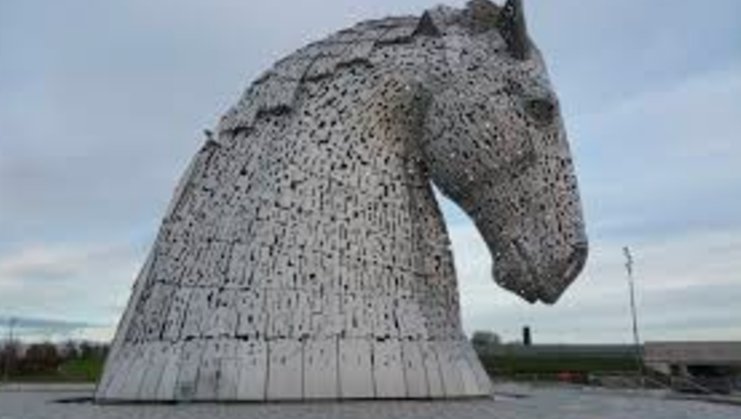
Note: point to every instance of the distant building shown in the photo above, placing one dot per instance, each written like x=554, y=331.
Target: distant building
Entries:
x=716, y=365
x=554, y=350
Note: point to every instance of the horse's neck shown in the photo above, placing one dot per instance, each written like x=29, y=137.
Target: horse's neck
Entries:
x=337, y=202
x=349, y=187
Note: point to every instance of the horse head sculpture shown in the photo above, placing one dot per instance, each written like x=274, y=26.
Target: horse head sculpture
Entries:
x=494, y=142
x=304, y=255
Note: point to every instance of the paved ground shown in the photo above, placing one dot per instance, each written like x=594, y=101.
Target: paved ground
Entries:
x=513, y=402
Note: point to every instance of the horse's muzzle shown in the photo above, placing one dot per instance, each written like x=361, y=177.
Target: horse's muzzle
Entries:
x=533, y=281
x=564, y=274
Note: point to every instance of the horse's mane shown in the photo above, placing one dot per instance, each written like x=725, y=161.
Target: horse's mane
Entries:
x=275, y=91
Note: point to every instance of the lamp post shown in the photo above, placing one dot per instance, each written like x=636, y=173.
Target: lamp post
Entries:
x=633, y=311
x=8, y=348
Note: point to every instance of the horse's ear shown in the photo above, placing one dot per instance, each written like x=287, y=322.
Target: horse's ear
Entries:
x=511, y=24
x=426, y=26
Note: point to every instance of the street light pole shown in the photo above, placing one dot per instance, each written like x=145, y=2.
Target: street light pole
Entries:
x=7, y=349
x=633, y=311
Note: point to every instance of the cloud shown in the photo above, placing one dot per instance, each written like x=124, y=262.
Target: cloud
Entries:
x=665, y=160
x=687, y=288
x=65, y=282
x=603, y=51
x=35, y=329
x=37, y=323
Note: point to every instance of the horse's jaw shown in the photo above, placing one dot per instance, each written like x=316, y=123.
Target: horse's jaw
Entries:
x=517, y=269
x=535, y=262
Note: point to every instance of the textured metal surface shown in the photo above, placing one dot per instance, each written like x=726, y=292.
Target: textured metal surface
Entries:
x=304, y=255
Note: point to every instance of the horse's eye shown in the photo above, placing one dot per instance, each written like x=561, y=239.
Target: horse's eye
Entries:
x=542, y=111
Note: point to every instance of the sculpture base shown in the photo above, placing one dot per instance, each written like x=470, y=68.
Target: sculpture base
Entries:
x=288, y=369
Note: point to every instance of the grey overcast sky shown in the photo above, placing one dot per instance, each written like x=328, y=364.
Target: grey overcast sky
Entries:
x=103, y=103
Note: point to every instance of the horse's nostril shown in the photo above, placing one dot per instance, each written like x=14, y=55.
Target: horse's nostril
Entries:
x=542, y=110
